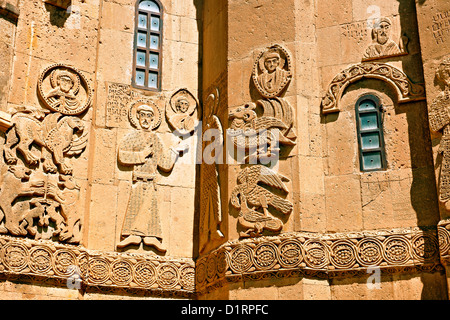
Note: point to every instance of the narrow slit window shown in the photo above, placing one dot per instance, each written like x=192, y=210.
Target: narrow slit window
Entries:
x=148, y=45
x=372, y=154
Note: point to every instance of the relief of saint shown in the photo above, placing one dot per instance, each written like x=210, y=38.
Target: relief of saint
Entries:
x=65, y=88
x=145, y=151
x=182, y=112
x=382, y=45
x=273, y=74
x=439, y=117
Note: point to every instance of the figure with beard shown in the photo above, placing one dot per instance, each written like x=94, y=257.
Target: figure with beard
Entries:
x=144, y=150
x=382, y=44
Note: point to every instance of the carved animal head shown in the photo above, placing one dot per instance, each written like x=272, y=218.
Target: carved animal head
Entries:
x=242, y=115
x=73, y=123
x=21, y=173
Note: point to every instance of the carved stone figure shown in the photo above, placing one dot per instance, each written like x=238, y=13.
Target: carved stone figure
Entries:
x=211, y=212
x=264, y=133
x=144, y=150
x=55, y=134
x=182, y=112
x=439, y=118
x=250, y=192
x=64, y=89
x=272, y=71
x=382, y=45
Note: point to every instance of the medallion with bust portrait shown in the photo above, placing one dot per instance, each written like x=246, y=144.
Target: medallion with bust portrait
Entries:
x=272, y=71
x=64, y=89
x=183, y=111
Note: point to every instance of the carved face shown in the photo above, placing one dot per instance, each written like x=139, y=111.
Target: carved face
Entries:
x=271, y=63
x=444, y=73
x=383, y=32
x=145, y=118
x=182, y=105
x=65, y=83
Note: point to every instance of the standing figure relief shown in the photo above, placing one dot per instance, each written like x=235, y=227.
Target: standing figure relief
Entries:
x=145, y=152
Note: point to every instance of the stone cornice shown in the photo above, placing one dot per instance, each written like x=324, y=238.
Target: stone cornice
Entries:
x=9, y=9
x=299, y=254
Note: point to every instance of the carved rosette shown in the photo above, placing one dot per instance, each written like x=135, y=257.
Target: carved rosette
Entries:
x=406, y=90
x=48, y=260
x=335, y=254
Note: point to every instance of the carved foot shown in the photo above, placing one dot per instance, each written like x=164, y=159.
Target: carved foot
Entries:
x=151, y=241
x=129, y=241
x=9, y=157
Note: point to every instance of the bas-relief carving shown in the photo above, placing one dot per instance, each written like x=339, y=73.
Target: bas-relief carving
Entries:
x=272, y=71
x=211, y=216
x=183, y=112
x=382, y=44
x=144, y=150
x=64, y=89
x=439, y=119
x=406, y=90
x=253, y=198
x=260, y=129
x=39, y=197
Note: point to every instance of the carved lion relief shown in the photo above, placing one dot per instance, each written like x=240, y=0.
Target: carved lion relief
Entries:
x=39, y=196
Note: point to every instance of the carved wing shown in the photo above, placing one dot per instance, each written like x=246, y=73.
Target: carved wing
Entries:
x=272, y=179
x=78, y=144
x=50, y=122
x=269, y=122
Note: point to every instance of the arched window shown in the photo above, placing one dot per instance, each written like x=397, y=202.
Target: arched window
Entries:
x=148, y=45
x=372, y=155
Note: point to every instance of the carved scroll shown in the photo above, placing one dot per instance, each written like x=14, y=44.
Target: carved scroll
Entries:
x=406, y=90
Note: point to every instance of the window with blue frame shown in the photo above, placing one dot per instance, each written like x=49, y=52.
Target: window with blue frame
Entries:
x=148, y=45
x=372, y=154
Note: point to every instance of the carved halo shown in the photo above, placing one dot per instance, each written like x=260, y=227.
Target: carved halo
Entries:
x=132, y=113
x=48, y=81
x=259, y=68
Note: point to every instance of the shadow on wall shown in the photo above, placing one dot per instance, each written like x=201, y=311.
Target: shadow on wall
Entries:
x=58, y=16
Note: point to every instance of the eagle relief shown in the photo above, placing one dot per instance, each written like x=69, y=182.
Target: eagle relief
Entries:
x=39, y=195
x=253, y=197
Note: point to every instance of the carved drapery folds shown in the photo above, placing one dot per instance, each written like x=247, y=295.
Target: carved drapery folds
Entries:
x=439, y=122
x=39, y=196
x=144, y=150
x=406, y=90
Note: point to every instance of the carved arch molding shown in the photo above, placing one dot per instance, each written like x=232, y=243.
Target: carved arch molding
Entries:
x=406, y=90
